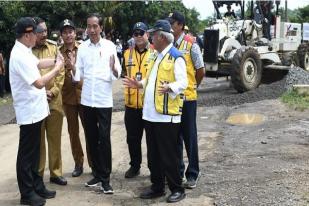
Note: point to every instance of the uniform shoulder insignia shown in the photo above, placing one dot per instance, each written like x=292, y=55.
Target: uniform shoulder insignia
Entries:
x=51, y=42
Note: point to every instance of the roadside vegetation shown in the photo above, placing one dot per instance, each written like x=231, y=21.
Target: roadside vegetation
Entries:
x=295, y=100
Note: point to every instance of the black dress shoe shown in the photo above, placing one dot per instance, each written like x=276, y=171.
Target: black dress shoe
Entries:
x=77, y=171
x=58, y=180
x=131, y=172
x=149, y=194
x=47, y=194
x=33, y=200
x=176, y=197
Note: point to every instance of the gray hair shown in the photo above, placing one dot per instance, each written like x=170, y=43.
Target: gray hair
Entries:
x=169, y=36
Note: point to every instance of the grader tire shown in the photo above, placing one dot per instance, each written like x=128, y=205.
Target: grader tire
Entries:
x=246, y=72
x=303, y=56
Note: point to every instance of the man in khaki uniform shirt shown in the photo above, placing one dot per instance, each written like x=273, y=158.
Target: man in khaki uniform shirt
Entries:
x=52, y=125
x=71, y=92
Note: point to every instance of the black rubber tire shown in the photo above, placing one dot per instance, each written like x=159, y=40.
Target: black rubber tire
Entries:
x=303, y=56
x=240, y=83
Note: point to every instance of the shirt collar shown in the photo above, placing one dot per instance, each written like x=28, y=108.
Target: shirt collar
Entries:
x=23, y=47
x=162, y=54
x=100, y=43
x=75, y=47
x=179, y=40
x=145, y=49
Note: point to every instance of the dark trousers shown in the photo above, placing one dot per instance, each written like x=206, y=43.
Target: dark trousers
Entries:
x=162, y=140
x=28, y=158
x=134, y=126
x=97, y=132
x=188, y=135
x=2, y=85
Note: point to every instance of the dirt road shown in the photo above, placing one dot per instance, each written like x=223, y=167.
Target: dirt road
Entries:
x=265, y=163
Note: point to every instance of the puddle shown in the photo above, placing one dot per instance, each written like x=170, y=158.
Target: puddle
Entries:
x=245, y=119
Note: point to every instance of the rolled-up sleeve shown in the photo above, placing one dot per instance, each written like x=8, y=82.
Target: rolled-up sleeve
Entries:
x=181, y=82
x=79, y=67
x=117, y=65
x=196, y=56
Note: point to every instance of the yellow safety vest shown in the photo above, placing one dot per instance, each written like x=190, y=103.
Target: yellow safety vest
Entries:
x=136, y=65
x=163, y=103
x=185, y=49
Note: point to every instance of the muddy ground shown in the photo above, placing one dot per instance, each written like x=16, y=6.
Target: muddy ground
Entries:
x=265, y=163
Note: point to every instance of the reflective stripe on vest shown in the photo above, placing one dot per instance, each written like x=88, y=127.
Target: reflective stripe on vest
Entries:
x=185, y=49
x=163, y=103
x=135, y=63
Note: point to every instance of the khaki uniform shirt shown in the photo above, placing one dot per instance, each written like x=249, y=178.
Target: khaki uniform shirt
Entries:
x=71, y=89
x=49, y=50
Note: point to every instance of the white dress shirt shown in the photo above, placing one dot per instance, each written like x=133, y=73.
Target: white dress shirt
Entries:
x=93, y=65
x=30, y=103
x=149, y=111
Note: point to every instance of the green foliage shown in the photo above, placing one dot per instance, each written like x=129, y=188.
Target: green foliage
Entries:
x=296, y=101
x=300, y=15
x=120, y=15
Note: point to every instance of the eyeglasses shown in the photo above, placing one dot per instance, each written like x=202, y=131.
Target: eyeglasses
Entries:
x=138, y=33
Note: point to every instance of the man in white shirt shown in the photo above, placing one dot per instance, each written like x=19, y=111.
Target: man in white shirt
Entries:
x=98, y=65
x=31, y=107
x=165, y=81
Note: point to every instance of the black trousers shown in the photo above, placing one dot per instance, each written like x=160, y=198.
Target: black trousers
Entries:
x=28, y=158
x=134, y=126
x=163, y=159
x=97, y=132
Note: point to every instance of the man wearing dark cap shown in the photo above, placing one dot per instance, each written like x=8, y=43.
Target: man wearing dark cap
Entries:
x=165, y=81
x=195, y=72
x=52, y=125
x=135, y=64
x=71, y=92
x=31, y=107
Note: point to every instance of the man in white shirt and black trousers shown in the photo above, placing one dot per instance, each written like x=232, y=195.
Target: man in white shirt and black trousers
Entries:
x=31, y=107
x=98, y=65
x=165, y=81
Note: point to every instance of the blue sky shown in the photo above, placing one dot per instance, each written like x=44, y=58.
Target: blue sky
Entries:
x=205, y=7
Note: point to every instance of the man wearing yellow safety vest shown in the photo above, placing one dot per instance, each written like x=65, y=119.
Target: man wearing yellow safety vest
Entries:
x=135, y=64
x=195, y=71
x=165, y=81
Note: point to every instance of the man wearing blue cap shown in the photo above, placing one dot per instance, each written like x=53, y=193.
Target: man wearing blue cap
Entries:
x=31, y=107
x=135, y=64
x=165, y=81
x=195, y=72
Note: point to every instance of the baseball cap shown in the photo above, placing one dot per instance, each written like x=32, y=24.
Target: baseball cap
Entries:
x=25, y=25
x=176, y=16
x=65, y=23
x=140, y=26
x=162, y=25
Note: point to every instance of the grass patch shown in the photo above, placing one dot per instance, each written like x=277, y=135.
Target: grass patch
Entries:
x=296, y=101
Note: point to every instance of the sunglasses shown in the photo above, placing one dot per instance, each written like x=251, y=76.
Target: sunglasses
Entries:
x=138, y=33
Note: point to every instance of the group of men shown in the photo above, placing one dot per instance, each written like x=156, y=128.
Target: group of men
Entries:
x=76, y=80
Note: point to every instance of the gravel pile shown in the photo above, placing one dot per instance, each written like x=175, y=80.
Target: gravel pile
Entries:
x=296, y=75
x=265, y=91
